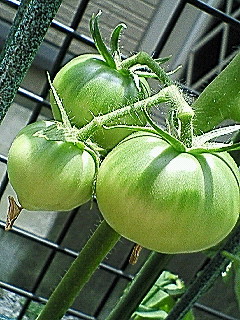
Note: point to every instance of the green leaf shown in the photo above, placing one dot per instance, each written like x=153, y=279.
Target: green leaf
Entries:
x=161, y=298
x=189, y=316
x=158, y=299
x=101, y=47
x=154, y=314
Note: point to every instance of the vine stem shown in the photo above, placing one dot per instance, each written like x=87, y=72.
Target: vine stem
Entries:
x=143, y=58
x=136, y=291
x=97, y=247
x=168, y=94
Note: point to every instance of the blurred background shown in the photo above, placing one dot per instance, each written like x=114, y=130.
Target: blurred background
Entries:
x=202, y=37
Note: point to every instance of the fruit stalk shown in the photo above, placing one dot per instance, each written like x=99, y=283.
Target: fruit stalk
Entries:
x=88, y=260
x=168, y=94
x=142, y=58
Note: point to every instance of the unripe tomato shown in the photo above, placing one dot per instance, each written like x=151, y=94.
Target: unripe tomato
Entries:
x=49, y=175
x=89, y=87
x=165, y=200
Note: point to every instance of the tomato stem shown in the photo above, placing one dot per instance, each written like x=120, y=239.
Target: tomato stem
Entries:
x=143, y=58
x=88, y=260
x=100, y=121
x=181, y=112
x=168, y=94
x=183, y=115
x=135, y=292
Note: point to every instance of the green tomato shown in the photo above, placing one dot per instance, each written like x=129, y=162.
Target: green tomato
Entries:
x=49, y=175
x=88, y=87
x=165, y=200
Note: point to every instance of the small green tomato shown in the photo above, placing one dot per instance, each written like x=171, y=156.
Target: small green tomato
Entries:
x=49, y=175
x=89, y=87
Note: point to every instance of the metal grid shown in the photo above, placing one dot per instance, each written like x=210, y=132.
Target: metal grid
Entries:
x=115, y=271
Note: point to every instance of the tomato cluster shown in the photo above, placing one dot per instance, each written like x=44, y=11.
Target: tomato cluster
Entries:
x=163, y=198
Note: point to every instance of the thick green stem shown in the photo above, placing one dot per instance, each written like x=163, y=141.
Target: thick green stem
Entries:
x=143, y=58
x=184, y=115
x=99, y=122
x=134, y=293
x=168, y=94
x=179, y=107
x=97, y=247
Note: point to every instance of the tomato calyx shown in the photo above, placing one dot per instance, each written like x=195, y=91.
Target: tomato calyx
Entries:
x=100, y=45
x=137, y=65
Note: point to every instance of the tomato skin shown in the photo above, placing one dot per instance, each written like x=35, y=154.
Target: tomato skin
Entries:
x=168, y=201
x=49, y=175
x=88, y=86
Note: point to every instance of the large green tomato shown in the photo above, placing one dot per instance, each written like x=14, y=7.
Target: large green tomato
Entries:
x=49, y=175
x=168, y=201
x=89, y=87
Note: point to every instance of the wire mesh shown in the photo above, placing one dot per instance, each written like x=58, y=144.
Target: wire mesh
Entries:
x=66, y=237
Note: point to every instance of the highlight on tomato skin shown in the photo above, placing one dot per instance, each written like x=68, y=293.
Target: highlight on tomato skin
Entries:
x=49, y=175
x=89, y=87
x=165, y=200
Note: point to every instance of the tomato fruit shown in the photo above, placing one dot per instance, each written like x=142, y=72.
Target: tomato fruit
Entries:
x=89, y=87
x=49, y=175
x=166, y=200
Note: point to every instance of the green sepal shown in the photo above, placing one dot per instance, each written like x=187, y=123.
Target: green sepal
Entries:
x=163, y=60
x=100, y=45
x=146, y=74
x=58, y=101
x=59, y=132
x=175, y=143
x=202, y=139
x=214, y=147
x=114, y=40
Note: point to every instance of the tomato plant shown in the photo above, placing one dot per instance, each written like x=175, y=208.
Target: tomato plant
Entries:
x=167, y=200
x=91, y=85
x=49, y=175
